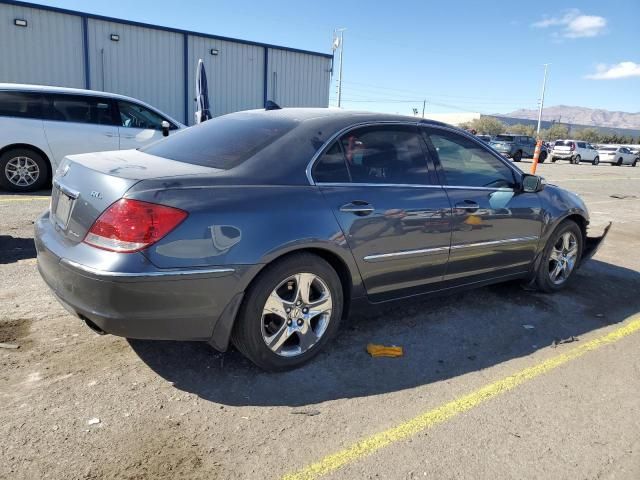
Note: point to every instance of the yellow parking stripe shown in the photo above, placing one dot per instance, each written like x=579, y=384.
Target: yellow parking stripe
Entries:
x=440, y=414
x=22, y=199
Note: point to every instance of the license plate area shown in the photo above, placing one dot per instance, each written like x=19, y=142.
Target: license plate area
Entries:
x=62, y=206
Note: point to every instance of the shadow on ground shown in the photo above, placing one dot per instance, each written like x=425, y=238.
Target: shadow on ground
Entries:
x=13, y=249
x=443, y=337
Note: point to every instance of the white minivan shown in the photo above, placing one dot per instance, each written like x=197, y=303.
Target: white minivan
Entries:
x=40, y=125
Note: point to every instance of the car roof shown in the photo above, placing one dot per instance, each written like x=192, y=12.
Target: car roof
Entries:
x=24, y=87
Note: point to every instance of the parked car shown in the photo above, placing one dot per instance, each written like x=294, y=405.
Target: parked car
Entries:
x=40, y=125
x=617, y=155
x=635, y=149
x=575, y=151
x=514, y=146
x=268, y=227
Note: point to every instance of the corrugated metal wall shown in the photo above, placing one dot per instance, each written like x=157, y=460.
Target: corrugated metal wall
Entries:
x=145, y=63
x=234, y=76
x=298, y=80
x=49, y=51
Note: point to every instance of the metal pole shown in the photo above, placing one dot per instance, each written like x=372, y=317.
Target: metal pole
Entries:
x=340, y=70
x=544, y=84
x=424, y=105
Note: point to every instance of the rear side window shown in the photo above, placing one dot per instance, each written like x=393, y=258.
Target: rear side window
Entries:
x=222, y=142
x=79, y=109
x=504, y=138
x=582, y=145
x=331, y=168
x=133, y=115
x=20, y=104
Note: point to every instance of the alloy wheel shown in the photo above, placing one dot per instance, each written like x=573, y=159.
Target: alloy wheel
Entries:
x=296, y=314
x=22, y=171
x=563, y=258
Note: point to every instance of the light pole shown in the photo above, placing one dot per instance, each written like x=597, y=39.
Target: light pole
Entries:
x=544, y=85
x=338, y=42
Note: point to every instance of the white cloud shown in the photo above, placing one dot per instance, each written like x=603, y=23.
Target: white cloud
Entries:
x=573, y=24
x=619, y=70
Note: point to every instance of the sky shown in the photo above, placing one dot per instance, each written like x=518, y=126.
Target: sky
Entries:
x=457, y=55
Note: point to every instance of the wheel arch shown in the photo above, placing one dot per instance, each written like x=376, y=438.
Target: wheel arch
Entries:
x=28, y=146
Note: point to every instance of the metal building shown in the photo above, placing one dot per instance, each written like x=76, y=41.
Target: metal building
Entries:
x=52, y=46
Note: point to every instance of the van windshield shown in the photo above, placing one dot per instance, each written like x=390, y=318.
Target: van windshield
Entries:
x=503, y=138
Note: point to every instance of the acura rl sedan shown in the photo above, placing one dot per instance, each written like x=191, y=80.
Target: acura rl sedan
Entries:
x=265, y=228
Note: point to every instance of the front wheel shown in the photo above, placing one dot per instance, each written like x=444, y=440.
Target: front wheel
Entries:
x=619, y=163
x=576, y=160
x=542, y=157
x=635, y=162
x=517, y=156
x=290, y=312
x=560, y=258
x=596, y=161
x=553, y=159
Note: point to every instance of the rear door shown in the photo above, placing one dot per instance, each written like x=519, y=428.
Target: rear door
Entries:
x=138, y=125
x=495, y=227
x=79, y=124
x=395, y=217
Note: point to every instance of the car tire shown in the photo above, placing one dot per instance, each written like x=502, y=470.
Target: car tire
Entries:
x=559, y=254
x=543, y=157
x=291, y=337
x=635, y=162
x=619, y=163
x=553, y=159
x=23, y=170
x=576, y=160
x=517, y=156
x=596, y=161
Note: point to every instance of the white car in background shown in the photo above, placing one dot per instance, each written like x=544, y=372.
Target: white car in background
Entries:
x=575, y=151
x=617, y=155
x=40, y=125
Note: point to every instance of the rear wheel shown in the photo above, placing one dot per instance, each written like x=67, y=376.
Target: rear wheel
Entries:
x=635, y=162
x=517, y=156
x=596, y=161
x=543, y=157
x=619, y=163
x=576, y=160
x=289, y=313
x=23, y=170
x=560, y=258
x=553, y=159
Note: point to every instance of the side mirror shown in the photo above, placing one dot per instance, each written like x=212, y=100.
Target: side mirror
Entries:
x=532, y=183
x=165, y=128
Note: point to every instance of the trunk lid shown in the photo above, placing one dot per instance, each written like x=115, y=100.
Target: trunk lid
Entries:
x=85, y=185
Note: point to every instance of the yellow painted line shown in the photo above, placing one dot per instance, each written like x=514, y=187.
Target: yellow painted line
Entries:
x=429, y=419
x=22, y=199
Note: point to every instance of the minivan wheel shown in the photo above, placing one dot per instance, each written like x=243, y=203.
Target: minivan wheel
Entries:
x=517, y=156
x=560, y=258
x=576, y=160
x=289, y=313
x=596, y=161
x=22, y=170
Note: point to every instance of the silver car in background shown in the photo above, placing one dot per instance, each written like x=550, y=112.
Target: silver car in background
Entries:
x=617, y=155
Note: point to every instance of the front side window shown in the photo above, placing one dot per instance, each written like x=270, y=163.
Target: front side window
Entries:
x=19, y=104
x=133, y=115
x=466, y=163
x=79, y=109
x=385, y=154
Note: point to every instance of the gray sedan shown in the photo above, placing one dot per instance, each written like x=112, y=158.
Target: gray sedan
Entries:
x=265, y=228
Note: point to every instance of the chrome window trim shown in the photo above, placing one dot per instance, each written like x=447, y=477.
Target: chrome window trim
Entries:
x=104, y=273
x=495, y=242
x=423, y=251
x=333, y=137
x=411, y=185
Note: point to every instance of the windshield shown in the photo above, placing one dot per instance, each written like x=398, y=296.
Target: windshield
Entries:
x=224, y=142
x=503, y=138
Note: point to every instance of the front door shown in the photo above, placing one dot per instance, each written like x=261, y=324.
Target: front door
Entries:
x=396, y=219
x=495, y=226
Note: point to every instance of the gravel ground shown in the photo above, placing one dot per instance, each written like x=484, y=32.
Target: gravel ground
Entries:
x=81, y=406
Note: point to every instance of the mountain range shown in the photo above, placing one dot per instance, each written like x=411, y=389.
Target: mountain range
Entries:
x=582, y=116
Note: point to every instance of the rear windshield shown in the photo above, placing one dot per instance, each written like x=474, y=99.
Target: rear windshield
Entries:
x=224, y=142
x=563, y=143
x=503, y=138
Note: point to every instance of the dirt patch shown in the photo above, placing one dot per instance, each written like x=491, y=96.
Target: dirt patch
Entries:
x=13, y=330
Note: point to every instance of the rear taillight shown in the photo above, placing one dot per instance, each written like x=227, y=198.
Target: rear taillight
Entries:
x=573, y=146
x=131, y=225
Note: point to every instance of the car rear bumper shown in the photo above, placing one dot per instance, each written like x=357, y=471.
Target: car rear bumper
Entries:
x=154, y=304
x=562, y=156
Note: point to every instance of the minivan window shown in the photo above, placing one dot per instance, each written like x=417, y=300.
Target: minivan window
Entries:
x=79, y=109
x=223, y=142
x=20, y=104
x=133, y=115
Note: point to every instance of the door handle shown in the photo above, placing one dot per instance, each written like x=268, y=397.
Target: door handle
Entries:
x=110, y=135
x=357, y=207
x=469, y=205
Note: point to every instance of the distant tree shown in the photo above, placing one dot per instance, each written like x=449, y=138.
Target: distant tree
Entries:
x=590, y=135
x=522, y=129
x=556, y=131
x=487, y=126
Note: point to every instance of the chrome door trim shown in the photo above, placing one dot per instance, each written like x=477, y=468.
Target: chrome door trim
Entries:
x=350, y=184
x=495, y=242
x=423, y=251
x=353, y=126
x=166, y=273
